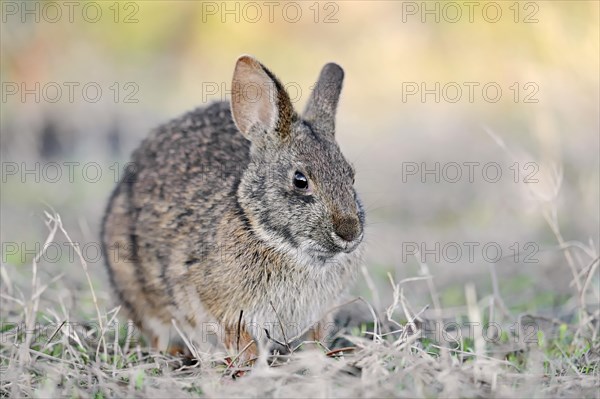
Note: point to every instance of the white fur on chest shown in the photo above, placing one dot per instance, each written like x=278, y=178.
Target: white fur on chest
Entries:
x=293, y=306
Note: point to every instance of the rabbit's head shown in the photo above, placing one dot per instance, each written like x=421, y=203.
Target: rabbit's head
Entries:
x=297, y=192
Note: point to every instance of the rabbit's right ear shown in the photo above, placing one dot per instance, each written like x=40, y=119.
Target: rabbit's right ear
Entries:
x=260, y=106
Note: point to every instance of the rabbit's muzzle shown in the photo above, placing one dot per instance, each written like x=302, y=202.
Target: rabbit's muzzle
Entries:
x=347, y=232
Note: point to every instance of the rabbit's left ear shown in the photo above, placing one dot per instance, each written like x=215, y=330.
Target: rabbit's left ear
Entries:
x=260, y=106
x=321, y=107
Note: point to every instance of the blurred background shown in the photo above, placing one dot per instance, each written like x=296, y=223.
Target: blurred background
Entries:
x=471, y=125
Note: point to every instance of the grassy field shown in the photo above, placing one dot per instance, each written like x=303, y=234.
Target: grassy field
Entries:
x=483, y=284
x=51, y=348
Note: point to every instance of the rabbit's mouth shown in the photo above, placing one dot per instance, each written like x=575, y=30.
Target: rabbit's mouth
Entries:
x=343, y=245
x=332, y=247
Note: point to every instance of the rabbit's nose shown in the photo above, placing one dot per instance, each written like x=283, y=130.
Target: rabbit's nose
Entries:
x=347, y=227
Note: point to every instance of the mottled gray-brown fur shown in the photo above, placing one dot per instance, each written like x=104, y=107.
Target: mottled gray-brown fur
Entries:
x=208, y=225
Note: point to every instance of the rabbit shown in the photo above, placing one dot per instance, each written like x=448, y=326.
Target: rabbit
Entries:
x=243, y=213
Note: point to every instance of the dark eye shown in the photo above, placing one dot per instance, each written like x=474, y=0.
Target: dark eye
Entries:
x=300, y=181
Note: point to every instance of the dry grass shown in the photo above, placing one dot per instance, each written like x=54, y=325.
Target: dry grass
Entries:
x=392, y=355
x=84, y=348
x=49, y=349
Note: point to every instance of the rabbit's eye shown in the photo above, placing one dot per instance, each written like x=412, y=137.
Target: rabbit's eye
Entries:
x=300, y=181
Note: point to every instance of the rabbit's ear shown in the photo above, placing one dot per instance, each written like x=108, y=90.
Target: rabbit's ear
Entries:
x=322, y=104
x=259, y=104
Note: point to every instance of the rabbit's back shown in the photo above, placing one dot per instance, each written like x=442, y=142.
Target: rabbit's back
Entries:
x=161, y=217
x=196, y=155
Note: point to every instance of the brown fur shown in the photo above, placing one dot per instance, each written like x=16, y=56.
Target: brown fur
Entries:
x=209, y=224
